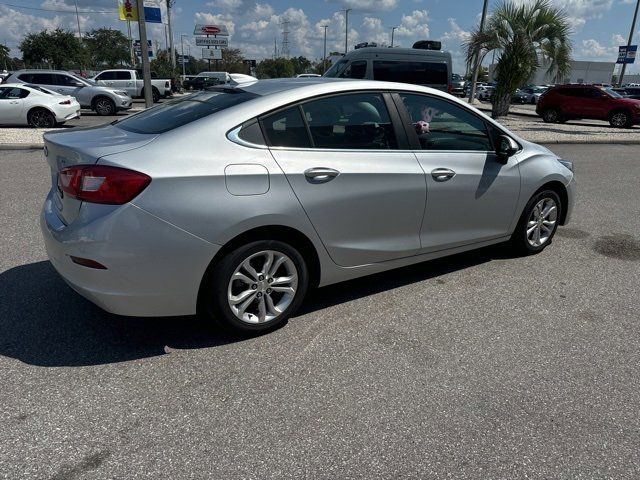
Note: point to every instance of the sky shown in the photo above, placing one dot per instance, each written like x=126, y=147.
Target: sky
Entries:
x=599, y=26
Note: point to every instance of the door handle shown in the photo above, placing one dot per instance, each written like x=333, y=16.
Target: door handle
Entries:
x=320, y=174
x=442, y=174
x=14, y=102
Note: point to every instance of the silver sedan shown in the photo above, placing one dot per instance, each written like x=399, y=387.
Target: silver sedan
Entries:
x=235, y=201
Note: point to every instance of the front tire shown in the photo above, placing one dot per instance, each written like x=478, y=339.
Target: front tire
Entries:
x=538, y=223
x=41, y=118
x=256, y=287
x=551, y=115
x=620, y=120
x=104, y=106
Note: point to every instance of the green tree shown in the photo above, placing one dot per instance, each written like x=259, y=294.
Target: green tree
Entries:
x=275, y=68
x=301, y=65
x=58, y=49
x=525, y=36
x=107, y=48
x=161, y=65
x=231, y=61
x=5, y=59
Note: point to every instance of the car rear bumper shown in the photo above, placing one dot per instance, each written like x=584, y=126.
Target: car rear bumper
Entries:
x=152, y=267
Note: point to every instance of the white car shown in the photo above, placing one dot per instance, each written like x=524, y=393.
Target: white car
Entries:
x=23, y=104
x=484, y=92
x=308, y=75
x=533, y=94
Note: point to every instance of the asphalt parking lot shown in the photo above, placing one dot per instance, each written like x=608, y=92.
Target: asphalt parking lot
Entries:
x=478, y=366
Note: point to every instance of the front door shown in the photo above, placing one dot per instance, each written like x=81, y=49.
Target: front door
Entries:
x=12, y=104
x=363, y=195
x=471, y=196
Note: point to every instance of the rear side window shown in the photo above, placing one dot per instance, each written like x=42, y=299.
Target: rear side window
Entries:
x=251, y=132
x=177, y=113
x=39, y=78
x=286, y=129
x=122, y=75
x=106, y=76
x=417, y=73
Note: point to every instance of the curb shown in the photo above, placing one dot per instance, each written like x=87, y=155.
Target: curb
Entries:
x=21, y=146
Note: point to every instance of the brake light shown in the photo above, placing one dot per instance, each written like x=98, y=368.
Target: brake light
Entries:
x=102, y=183
x=450, y=88
x=65, y=102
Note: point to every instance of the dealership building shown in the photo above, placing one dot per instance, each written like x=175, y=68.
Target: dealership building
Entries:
x=581, y=72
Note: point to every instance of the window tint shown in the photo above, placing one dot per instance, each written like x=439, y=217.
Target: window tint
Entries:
x=106, y=76
x=63, y=80
x=418, y=73
x=251, y=132
x=336, y=69
x=177, y=113
x=39, y=78
x=122, y=75
x=286, y=129
x=441, y=125
x=358, y=121
x=13, y=93
x=356, y=69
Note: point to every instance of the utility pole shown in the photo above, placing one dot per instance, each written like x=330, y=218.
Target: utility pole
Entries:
x=324, y=52
x=182, y=54
x=131, y=53
x=393, y=29
x=79, y=32
x=633, y=27
x=171, y=49
x=144, y=53
x=476, y=66
x=346, y=28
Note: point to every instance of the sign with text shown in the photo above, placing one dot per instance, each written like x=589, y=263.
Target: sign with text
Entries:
x=211, y=54
x=138, y=51
x=128, y=10
x=627, y=54
x=212, y=42
x=211, y=30
x=152, y=15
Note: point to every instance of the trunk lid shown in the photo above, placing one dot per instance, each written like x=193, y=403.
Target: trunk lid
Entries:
x=84, y=146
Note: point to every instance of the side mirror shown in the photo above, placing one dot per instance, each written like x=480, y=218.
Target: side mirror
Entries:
x=507, y=147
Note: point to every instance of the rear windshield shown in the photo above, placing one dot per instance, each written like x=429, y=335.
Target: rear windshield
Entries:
x=177, y=113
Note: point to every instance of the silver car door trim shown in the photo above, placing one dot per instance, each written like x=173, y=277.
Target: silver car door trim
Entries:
x=442, y=174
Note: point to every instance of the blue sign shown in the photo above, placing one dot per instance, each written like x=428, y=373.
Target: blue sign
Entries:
x=138, y=50
x=152, y=15
x=627, y=54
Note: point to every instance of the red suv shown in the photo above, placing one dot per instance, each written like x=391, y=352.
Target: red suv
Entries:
x=567, y=102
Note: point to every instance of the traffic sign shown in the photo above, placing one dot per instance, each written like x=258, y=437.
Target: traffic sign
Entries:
x=627, y=54
x=212, y=42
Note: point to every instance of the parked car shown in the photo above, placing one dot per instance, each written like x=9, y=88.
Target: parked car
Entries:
x=35, y=106
x=223, y=77
x=572, y=101
x=467, y=87
x=310, y=183
x=417, y=66
x=533, y=94
x=519, y=97
x=103, y=100
x=132, y=82
x=457, y=85
x=201, y=82
x=629, y=92
x=485, y=92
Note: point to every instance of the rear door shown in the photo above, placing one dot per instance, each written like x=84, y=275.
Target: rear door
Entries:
x=124, y=82
x=471, y=196
x=363, y=194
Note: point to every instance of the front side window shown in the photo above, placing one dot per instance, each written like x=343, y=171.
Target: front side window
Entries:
x=123, y=75
x=354, y=121
x=286, y=129
x=356, y=69
x=106, y=76
x=417, y=73
x=336, y=69
x=441, y=125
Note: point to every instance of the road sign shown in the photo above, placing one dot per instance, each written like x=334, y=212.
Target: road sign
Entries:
x=183, y=59
x=211, y=54
x=152, y=15
x=138, y=51
x=211, y=30
x=627, y=54
x=212, y=42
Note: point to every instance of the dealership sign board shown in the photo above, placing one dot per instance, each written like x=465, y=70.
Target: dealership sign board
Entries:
x=212, y=42
x=211, y=30
x=627, y=54
x=211, y=54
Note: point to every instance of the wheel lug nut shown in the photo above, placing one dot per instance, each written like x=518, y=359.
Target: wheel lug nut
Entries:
x=259, y=294
x=261, y=277
x=269, y=291
x=254, y=286
x=270, y=280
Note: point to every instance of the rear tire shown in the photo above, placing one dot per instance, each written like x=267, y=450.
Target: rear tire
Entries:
x=41, y=118
x=551, y=115
x=538, y=223
x=255, y=288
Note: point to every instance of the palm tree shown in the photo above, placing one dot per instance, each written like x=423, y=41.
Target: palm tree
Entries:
x=525, y=37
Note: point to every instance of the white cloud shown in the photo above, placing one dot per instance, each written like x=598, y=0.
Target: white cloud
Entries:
x=367, y=5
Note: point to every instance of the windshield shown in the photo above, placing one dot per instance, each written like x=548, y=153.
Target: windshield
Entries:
x=612, y=92
x=177, y=113
x=539, y=90
x=336, y=69
x=83, y=80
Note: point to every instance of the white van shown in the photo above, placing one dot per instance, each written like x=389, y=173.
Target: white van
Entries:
x=430, y=68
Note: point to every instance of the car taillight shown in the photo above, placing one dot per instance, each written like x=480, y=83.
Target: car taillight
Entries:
x=102, y=184
x=450, y=88
x=65, y=102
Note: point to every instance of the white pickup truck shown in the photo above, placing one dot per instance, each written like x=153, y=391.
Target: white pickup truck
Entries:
x=131, y=82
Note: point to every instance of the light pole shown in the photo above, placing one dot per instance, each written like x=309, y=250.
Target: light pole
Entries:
x=171, y=49
x=633, y=26
x=393, y=29
x=476, y=66
x=182, y=35
x=144, y=53
x=79, y=32
x=324, y=52
x=346, y=28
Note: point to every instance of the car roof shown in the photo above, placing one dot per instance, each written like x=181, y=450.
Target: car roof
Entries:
x=360, y=52
x=41, y=70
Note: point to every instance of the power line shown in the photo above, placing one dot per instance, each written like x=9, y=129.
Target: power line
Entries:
x=110, y=12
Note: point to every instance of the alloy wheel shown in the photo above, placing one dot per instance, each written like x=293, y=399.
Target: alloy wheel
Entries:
x=619, y=119
x=103, y=107
x=551, y=116
x=42, y=119
x=262, y=287
x=542, y=222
